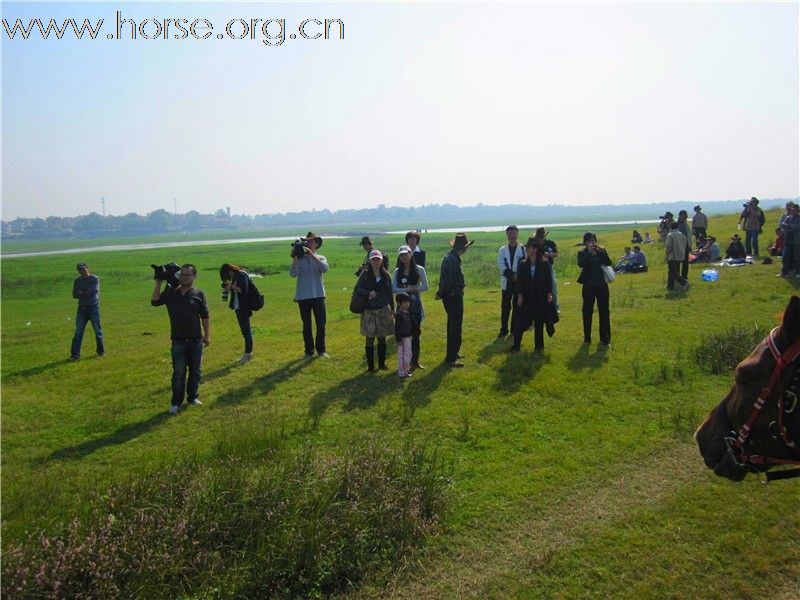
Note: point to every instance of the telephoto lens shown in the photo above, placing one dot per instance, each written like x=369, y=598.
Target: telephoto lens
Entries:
x=224, y=293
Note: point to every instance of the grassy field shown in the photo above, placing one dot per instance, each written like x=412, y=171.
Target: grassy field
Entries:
x=573, y=475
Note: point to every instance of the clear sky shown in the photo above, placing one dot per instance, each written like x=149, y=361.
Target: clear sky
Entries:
x=419, y=103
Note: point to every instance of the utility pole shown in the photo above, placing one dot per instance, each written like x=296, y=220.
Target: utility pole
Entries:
x=103, y=202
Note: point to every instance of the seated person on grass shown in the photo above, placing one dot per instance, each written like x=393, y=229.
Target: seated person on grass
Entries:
x=647, y=238
x=735, y=248
x=622, y=262
x=776, y=248
x=636, y=238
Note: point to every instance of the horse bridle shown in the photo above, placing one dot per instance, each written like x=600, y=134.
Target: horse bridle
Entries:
x=757, y=463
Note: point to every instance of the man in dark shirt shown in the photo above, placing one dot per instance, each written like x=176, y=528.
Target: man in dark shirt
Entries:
x=550, y=252
x=86, y=289
x=187, y=307
x=451, y=293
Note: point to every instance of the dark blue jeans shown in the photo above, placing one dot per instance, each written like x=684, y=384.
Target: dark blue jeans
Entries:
x=187, y=354
x=247, y=332
x=316, y=306
x=84, y=316
x=454, y=307
x=751, y=242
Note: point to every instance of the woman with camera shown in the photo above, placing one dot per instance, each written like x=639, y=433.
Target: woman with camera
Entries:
x=377, y=320
x=308, y=267
x=591, y=260
x=235, y=291
x=411, y=279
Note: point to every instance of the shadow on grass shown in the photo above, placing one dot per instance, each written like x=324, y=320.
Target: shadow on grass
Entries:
x=37, y=370
x=120, y=436
x=359, y=392
x=261, y=385
x=419, y=390
x=518, y=368
x=583, y=359
x=498, y=345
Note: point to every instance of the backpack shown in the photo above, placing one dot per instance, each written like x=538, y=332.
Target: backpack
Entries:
x=254, y=297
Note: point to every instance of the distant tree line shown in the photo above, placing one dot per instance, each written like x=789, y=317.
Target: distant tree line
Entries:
x=95, y=225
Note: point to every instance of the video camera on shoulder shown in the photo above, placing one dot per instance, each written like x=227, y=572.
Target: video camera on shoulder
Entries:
x=169, y=272
x=298, y=247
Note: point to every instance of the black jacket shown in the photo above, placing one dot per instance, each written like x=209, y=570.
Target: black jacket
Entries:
x=405, y=325
x=366, y=283
x=242, y=281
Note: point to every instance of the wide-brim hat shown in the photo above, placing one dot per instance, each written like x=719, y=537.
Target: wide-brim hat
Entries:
x=415, y=234
x=697, y=207
x=754, y=200
x=313, y=236
x=540, y=232
x=736, y=237
x=460, y=242
x=365, y=240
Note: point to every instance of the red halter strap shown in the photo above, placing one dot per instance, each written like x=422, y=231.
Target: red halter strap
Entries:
x=782, y=360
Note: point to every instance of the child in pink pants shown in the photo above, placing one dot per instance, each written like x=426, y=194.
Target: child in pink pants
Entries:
x=404, y=326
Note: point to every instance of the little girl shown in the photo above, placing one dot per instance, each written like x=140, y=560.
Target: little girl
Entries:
x=405, y=326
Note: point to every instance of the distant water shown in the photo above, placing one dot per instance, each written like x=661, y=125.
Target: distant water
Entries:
x=532, y=228
x=156, y=245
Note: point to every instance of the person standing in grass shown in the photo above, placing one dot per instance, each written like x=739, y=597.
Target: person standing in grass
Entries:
x=236, y=287
x=535, y=298
x=411, y=279
x=753, y=218
x=508, y=257
x=86, y=290
x=406, y=326
x=699, y=224
x=790, y=225
x=550, y=254
x=451, y=293
x=375, y=284
x=676, y=251
x=310, y=293
x=187, y=308
x=412, y=241
x=683, y=227
x=591, y=260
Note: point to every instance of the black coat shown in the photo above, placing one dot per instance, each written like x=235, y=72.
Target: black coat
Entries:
x=242, y=281
x=366, y=283
x=534, y=290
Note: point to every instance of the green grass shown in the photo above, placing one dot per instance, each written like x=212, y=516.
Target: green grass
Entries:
x=571, y=476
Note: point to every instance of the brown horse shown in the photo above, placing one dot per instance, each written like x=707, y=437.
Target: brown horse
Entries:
x=757, y=425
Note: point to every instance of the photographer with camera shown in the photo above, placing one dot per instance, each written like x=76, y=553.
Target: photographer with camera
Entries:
x=236, y=291
x=753, y=219
x=508, y=257
x=187, y=308
x=308, y=268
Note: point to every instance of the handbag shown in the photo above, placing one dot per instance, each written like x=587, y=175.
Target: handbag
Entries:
x=608, y=273
x=358, y=303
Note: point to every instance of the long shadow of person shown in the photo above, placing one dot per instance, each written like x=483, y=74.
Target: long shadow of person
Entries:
x=516, y=369
x=497, y=346
x=583, y=359
x=122, y=435
x=37, y=370
x=419, y=390
x=360, y=391
x=261, y=385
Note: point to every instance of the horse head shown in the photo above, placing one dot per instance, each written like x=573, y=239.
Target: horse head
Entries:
x=749, y=430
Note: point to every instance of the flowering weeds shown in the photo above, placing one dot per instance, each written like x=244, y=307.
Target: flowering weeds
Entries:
x=296, y=526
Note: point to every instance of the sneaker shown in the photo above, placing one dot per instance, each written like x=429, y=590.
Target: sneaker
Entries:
x=195, y=402
x=246, y=358
x=174, y=409
x=73, y=358
x=459, y=355
x=782, y=275
x=101, y=354
x=455, y=364
x=308, y=356
x=324, y=355
x=415, y=366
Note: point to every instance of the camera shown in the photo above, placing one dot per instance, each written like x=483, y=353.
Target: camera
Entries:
x=169, y=273
x=298, y=247
x=225, y=292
